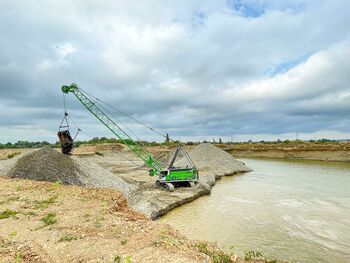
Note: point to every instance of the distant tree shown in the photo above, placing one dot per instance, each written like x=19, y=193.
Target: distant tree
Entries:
x=220, y=141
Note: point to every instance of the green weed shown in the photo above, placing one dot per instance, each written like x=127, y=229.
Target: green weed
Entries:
x=216, y=256
x=49, y=219
x=45, y=203
x=11, y=155
x=251, y=254
x=8, y=213
x=123, y=242
x=18, y=258
x=67, y=238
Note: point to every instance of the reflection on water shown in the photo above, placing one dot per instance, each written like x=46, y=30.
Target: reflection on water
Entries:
x=292, y=210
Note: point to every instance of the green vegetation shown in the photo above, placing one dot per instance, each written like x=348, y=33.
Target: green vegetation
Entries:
x=67, y=238
x=123, y=242
x=118, y=259
x=49, y=219
x=18, y=258
x=10, y=200
x=10, y=155
x=24, y=144
x=45, y=203
x=99, y=153
x=8, y=213
x=251, y=254
x=216, y=256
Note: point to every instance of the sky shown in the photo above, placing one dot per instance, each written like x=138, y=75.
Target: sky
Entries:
x=198, y=70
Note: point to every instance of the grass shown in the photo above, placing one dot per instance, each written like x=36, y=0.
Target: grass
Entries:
x=49, y=219
x=8, y=213
x=11, y=155
x=251, y=254
x=45, y=203
x=67, y=238
x=18, y=258
x=123, y=242
x=117, y=231
x=117, y=259
x=10, y=199
x=215, y=256
x=99, y=153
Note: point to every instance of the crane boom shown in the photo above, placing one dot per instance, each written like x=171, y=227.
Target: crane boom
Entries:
x=156, y=166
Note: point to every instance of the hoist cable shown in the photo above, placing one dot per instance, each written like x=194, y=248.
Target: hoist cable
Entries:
x=129, y=116
x=91, y=138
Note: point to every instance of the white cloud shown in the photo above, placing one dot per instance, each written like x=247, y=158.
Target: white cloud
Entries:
x=189, y=67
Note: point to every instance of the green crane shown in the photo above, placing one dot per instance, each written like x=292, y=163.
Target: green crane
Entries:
x=168, y=177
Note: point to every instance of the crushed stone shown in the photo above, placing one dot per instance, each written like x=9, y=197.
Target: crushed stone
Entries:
x=212, y=159
x=47, y=164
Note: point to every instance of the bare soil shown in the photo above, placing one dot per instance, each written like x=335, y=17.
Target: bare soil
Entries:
x=327, y=151
x=91, y=225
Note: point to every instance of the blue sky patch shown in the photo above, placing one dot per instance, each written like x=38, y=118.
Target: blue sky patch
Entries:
x=287, y=65
x=245, y=8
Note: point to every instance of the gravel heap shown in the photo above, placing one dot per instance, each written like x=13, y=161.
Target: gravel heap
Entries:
x=210, y=158
x=94, y=175
x=47, y=164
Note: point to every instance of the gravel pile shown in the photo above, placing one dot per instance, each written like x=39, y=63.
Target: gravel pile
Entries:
x=93, y=175
x=210, y=158
x=47, y=164
x=6, y=165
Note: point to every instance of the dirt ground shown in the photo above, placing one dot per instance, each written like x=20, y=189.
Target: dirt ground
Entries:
x=48, y=222
x=326, y=151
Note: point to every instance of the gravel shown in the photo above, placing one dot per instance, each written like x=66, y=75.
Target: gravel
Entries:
x=46, y=164
x=6, y=165
x=93, y=175
x=210, y=158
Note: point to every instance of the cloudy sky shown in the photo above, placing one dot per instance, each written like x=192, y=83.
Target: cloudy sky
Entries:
x=240, y=69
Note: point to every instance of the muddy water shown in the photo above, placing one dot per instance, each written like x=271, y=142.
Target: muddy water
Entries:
x=292, y=210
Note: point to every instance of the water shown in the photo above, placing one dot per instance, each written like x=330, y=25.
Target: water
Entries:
x=292, y=210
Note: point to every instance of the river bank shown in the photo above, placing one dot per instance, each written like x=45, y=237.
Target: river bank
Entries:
x=325, y=151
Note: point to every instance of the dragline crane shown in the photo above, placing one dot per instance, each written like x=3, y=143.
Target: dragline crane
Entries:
x=168, y=177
